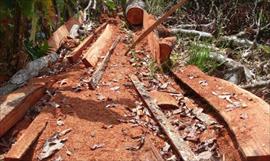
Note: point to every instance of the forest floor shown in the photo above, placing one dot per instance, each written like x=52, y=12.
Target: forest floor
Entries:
x=111, y=122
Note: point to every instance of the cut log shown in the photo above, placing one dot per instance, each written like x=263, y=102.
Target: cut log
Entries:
x=62, y=32
x=91, y=57
x=29, y=136
x=77, y=52
x=251, y=132
x=163, y=99
x=31, y=70
x=166, y=46
x=158, y=22
x=97, y=75
x=152, y=38
x=180, y=146
x=134, y=12
x=15, y=105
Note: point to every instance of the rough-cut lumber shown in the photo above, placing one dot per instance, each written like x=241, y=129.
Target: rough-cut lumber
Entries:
x=252, y=133
x=178, y=143
x=134, y=12
x=97, y=75
x=62, y=32
x=166, y=46
x=163, y=99
x=14, y=106
x=152, y=37
x=29, y=136
x=31, y=70
x=77, y=52
x=158, y=22
x=91, y=57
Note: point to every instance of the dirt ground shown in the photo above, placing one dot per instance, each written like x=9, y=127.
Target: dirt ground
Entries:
x=101, y=116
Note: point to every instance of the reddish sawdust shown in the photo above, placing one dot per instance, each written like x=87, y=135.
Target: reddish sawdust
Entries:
x=88, y=117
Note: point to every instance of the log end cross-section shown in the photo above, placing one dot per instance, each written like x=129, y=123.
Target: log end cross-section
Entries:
x=134, y=12
x=247, y=116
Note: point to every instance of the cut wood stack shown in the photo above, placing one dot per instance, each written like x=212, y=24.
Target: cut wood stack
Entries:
x=15, y=105
x=93, y=54
x=77, y=52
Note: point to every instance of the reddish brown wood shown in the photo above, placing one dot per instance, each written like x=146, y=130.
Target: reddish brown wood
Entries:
x=77, y=52
x=29, y=136
x=164, y=100
x=14, y=106
x=91, y=57
x=252, y=133
x=62, y=32
x=134, y=12
x=152, y=38
x=166, y=46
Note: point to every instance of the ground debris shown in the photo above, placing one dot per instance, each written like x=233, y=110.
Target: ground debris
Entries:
x=97, y=146
x=53, y=144
x=139, y=145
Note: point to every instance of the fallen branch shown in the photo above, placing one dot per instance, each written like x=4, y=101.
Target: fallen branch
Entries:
x=258, y=84
x=201, y=34
x=31, y=70
x=230, y=63
x=181, y=147
x=158, y=22
x=102, y=67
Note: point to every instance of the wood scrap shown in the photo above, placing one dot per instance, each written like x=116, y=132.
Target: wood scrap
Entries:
x=251, y=136
x=164, y=100
x=91, y=57
x=156, y=154
x=134, y=12
x=158, y=22
x=166, y=46
x=28, y=137
x=77, y=52
x=15, y=105
x=181, y=147
x=97, y=75
x=62, y=32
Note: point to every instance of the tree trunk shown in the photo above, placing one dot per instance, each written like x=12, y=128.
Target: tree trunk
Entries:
x=134, y=12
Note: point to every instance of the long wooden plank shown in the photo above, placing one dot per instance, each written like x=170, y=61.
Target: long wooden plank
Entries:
x=29, y=136
x=97, y=75
x=152, y=38
x=158, y=22
x=178, y=143
x=14, y=106
x=77, y=52
x=91, y=57
x=250, y=124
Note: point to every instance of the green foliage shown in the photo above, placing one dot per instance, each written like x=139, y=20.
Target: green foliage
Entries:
x=199, y=56
x=110, y=4
x=156, y=7
x=36, y=51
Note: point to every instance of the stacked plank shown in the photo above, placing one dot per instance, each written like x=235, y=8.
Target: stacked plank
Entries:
x=248, y=119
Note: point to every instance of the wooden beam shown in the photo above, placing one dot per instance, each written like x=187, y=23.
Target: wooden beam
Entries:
x=91, y=57
x=77, y=52
x=152, y=38
x=158, y=22
x=15, y=105
x=29, y=136
x=251, y=131
x=180, y=146
x=97, y=75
